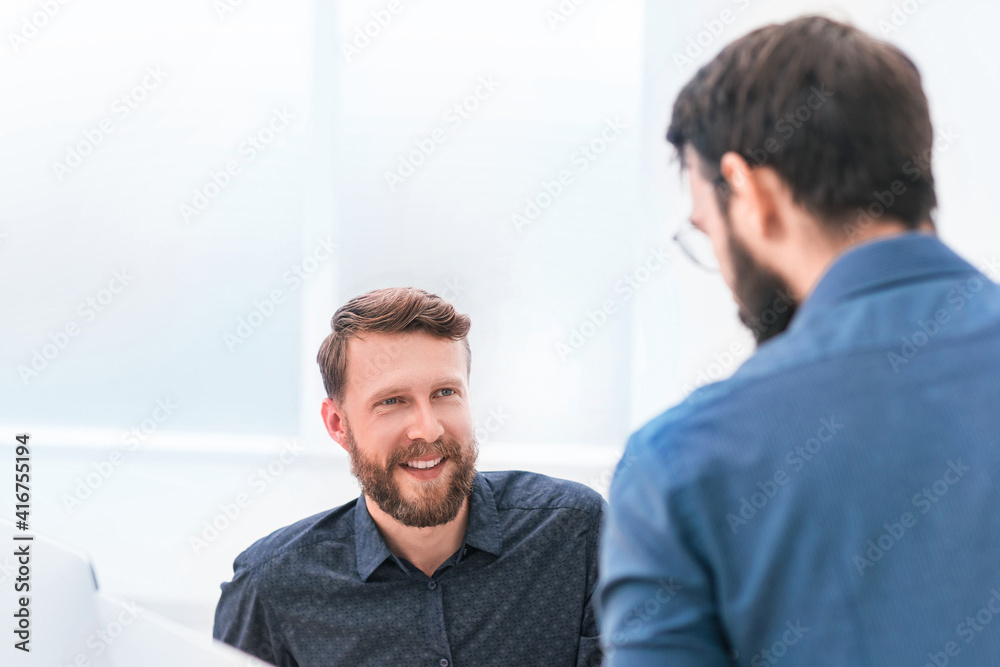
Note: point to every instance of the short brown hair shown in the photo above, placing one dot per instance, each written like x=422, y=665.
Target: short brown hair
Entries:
x=765, y=97
x=389, y=310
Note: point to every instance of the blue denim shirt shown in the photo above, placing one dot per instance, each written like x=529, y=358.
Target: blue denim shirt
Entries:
x=835, y=501
x=327, y=590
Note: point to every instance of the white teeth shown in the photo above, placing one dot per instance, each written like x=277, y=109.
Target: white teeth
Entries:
x=425, y=464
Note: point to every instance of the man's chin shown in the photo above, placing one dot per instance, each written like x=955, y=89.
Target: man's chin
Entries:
x=427, y=511
x=764, y=331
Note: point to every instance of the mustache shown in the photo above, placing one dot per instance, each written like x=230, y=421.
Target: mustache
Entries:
x=445, y=447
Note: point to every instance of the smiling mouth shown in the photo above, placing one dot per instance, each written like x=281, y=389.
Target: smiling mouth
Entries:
x=423, y=465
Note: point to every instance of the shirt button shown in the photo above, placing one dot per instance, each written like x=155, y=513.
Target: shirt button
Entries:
x=432, y=585
x=444, y=662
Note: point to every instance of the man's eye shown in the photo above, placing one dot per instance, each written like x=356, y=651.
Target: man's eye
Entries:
x=452, y=391
x=389, y=401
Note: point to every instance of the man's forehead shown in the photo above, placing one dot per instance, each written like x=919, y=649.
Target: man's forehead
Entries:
x=375, y=359
x=373, y=339
x=396, y=343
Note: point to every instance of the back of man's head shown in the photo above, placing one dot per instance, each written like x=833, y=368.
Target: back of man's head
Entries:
x=839, y=115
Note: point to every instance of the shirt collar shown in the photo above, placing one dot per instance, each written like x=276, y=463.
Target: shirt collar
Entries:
x=483, y=531
x=877, y=265
x=370, y=549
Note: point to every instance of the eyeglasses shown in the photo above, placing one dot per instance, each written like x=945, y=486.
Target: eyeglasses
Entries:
x=697, y=246
x=694, y=242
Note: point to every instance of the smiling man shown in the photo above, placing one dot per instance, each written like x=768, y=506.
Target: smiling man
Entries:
x=834, y=501
x=435, y=563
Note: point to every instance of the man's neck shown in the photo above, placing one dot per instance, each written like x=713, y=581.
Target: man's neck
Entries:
x=425, y=548
x=813, y=267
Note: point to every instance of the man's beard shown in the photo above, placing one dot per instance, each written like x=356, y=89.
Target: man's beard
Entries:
x=439, y=500
x=766, y=304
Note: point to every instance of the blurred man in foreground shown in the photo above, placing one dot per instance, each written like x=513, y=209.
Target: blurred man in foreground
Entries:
x=435, y=563
x=833, y=502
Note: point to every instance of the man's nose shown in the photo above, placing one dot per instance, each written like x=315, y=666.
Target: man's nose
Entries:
x=425, y=425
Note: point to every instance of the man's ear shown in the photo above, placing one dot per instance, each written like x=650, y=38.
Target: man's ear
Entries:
x=751, y=199
x=335, y=422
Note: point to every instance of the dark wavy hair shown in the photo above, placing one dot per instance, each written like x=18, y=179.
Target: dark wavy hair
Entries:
x=839, y=115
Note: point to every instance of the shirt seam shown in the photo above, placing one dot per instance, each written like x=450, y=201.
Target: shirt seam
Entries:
x=588, y=512
x=738, y=383
x=266, y=599
x=252, y=569
x=859, y=292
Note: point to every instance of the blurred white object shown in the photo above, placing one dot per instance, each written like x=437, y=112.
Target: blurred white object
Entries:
x=73, y=624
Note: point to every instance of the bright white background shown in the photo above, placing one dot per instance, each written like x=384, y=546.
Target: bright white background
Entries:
x=557, y=385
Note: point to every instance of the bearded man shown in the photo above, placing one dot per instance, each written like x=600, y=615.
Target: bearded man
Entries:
x=435, y=563
x=798, y=509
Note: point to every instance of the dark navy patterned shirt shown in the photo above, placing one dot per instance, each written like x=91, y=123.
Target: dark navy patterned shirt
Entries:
x=327, y=591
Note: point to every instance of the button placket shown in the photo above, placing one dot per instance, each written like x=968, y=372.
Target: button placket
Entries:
x=436, y=632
